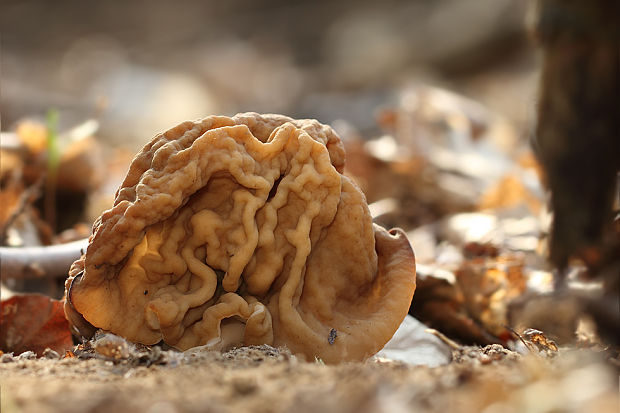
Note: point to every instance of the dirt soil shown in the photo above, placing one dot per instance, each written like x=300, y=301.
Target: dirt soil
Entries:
x=265, y=379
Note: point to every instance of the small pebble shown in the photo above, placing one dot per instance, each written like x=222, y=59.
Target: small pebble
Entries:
x=48, y=353
x=7, y=358
x=244, y=386
x=27, y=355
x=111, y=346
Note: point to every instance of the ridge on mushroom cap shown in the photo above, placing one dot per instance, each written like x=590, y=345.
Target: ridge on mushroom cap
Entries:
x=243, y=230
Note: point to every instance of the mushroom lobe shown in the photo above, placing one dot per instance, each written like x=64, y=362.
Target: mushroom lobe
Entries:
x=240, y=231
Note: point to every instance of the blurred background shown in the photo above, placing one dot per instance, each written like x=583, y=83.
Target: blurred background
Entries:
x=141, y=67
x=435, y=101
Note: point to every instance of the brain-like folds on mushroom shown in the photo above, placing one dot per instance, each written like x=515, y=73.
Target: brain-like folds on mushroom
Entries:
x=240, y=231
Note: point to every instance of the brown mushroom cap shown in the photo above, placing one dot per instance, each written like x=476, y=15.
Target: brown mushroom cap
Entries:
x=243, y=230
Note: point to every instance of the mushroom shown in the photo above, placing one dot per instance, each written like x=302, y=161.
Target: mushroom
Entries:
x=241, y=231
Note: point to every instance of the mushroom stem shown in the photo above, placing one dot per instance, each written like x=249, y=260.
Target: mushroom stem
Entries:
x=40, y=262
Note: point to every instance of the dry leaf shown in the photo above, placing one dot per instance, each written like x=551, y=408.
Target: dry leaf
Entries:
x=440, y=304
x=10, y=199
x=538, y=339
x=412, y=344
x=69, y=355
x=510, y=191
x=489, y=285
x=33, y=135
x=33, y=322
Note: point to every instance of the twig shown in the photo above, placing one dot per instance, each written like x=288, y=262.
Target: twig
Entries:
x=527, y=345
x=451, y=343
x=40, y=262
x=27, y=197
x=382, y=208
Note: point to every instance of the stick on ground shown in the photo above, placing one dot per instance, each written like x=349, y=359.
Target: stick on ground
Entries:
x=40, y=262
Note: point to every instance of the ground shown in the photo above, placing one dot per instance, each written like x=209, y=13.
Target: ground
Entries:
x=264, y=379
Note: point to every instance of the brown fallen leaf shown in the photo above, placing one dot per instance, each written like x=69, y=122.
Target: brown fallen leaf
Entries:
x=538, y=339
x=69, y=355
x=489, y=285
x=440, y=304
x=510, y=192
x=33, y=322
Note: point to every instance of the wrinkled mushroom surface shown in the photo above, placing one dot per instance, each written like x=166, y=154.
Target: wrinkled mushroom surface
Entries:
x=243, y=230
